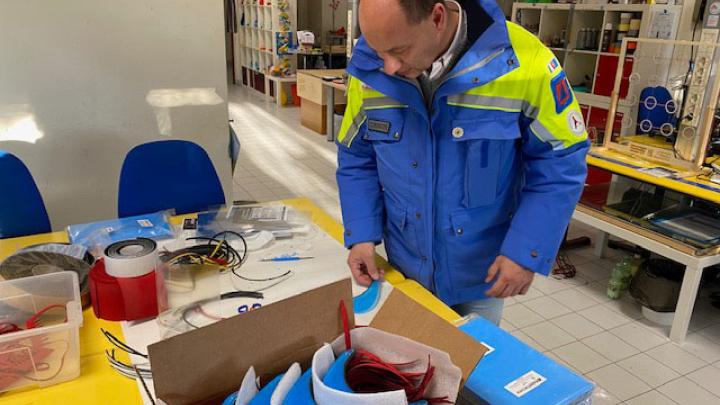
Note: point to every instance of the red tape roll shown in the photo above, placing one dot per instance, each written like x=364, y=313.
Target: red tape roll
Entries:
x=122, y=299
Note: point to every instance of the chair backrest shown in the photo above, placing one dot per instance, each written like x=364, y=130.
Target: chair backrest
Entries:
x=22, y=211
x=168, y=174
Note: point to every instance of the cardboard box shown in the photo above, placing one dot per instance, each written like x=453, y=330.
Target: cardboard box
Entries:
x=313, y=116
x=310, y=87
x=205, y=365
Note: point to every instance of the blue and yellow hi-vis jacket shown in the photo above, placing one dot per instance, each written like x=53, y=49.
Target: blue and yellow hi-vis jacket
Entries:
x=494, y=166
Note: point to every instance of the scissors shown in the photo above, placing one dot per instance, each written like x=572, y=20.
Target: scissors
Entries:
x=244, y=308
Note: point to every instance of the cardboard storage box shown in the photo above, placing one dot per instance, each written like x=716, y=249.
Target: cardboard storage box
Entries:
x=310, y=87
x=313, y=116
x=205, y=365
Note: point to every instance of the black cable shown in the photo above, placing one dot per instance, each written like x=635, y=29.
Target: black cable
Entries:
x=142, y=381
x=261, y=279
x=121, y=345
x=183, y=315
x=242, y=294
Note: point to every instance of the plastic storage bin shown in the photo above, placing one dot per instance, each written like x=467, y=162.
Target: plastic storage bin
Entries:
x=46, y=350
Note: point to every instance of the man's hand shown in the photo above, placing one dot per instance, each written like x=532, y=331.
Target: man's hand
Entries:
x=512, y=279
x=361, y=261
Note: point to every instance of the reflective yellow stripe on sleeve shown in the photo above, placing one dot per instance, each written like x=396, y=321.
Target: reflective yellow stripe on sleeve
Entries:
x=354, y=114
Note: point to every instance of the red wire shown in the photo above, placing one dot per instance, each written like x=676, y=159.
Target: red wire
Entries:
x=207, y=315
x=346, y=325
x=33, y=321
x=368, y=373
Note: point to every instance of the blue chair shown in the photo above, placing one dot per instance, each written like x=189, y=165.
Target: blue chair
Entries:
x=168, y=174
x=22, y=211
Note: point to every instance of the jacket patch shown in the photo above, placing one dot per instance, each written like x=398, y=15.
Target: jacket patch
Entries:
x=553, y=65
x=379, y=126
x=561, y=92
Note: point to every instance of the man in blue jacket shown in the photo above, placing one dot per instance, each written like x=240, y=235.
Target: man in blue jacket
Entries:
x=462, y=149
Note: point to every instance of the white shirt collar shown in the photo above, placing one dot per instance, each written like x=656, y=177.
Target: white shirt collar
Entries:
x=441, y=64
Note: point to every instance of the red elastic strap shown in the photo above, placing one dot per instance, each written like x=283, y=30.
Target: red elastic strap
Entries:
x=346, y=325
x=33, y=321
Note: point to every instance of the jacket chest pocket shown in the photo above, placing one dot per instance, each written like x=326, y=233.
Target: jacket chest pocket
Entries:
x=487, y=144
x=384, y=129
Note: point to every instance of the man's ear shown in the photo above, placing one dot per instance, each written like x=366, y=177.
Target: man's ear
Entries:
x=439, y=16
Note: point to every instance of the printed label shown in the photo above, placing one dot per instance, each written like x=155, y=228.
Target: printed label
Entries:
x=379, y=126
x=553, y=65
x=525, y=384
x=145, y=223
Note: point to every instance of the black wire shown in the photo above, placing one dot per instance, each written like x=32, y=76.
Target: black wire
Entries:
x=114, y=360
x=121, y=345
x=147, y=390
x=242, y=294
x=260, y=279
x=184, y=317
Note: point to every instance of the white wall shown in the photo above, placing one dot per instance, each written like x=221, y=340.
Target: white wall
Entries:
x=84, y=81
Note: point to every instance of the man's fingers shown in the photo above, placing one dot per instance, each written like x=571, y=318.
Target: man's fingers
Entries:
x=492, y=271
x=525, y=289
x=360, y=275
x=371, y=267
x=512, y=291
x=497, y=288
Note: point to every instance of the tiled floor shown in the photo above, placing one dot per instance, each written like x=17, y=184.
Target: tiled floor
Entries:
x=630, y=359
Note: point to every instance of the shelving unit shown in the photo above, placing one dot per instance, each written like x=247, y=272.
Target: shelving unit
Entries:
x=591, y=72
x=260, y=25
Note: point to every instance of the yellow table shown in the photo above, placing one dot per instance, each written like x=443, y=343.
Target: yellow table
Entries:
x=97, y=380
x=624, y=165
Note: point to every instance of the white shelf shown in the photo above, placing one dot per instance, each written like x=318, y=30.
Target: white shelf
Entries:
x=615, y=54
x=257, y=37
x=586, y=66
x=594, y=7
x=596, y=100
x=584, y=51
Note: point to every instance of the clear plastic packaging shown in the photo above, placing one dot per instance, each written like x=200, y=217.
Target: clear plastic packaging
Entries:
x=97, y=235
x=260, y=225
x=46, y=350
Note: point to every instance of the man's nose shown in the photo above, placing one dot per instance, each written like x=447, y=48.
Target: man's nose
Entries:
x=392, y=65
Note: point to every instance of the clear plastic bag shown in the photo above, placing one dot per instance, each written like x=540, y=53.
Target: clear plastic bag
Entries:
x=97, y=235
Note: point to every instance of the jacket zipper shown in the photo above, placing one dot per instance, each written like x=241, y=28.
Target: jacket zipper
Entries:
x=480, y=64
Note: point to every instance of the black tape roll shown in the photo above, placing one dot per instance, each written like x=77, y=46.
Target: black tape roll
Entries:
x=49, y=258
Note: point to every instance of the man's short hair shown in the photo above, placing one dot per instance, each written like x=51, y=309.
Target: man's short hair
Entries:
x=418, y=10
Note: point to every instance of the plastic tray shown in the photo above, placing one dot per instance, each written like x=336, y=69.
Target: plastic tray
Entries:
x=49, y=353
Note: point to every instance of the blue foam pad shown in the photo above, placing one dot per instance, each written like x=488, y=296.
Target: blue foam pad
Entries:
x=263, y=397
x=301, y=391
x=509, y=360
x=335, y=377
x=230, y=400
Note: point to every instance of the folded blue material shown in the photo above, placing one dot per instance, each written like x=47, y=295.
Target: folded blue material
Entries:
x=231, y=399
x=151, y=226
x=301, y=391
x=368, y=300
x=335, y=377
x=515, y=373
x=263, y=397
